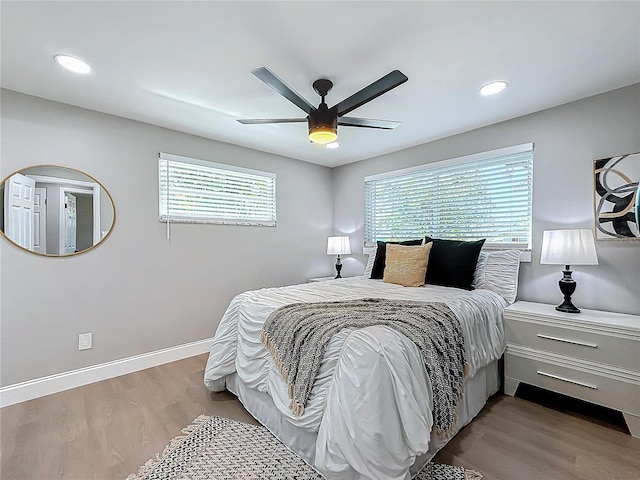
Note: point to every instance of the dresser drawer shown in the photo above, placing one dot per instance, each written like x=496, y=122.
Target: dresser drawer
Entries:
x=596, y=347
x=599, y=388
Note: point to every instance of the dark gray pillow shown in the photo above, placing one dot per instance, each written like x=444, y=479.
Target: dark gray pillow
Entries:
x=381, y=253
x=452, y=263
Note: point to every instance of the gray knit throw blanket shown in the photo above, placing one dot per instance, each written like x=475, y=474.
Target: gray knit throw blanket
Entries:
x=297, y=335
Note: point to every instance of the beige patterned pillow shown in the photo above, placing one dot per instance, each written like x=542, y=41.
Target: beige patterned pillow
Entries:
x=406, y=265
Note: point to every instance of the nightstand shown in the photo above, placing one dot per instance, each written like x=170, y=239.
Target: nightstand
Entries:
x=592, y=355
x=320, y=279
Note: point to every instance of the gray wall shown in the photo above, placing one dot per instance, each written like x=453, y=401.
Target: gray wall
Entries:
x=567, y=139
x=138, y=292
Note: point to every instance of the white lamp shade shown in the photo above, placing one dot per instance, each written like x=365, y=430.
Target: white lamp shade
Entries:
x=338, y=246
x=568, y=247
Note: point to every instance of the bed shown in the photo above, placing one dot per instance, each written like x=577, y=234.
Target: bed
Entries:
x=370, y=411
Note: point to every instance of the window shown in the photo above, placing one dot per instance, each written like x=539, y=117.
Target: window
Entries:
x=486, y=195
x=198, y=191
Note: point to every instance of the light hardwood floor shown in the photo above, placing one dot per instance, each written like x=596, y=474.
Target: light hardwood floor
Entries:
x=106, y=430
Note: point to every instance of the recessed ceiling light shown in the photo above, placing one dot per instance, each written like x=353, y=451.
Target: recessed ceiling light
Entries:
x=333, y=145
x=72, y=63
x=493, y=88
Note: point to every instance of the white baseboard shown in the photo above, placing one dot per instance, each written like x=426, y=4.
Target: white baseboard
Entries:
x=21, y=392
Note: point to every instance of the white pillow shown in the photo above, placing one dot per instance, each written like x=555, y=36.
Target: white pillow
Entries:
x=370, y=261
x=478, y=275
x=498, y=271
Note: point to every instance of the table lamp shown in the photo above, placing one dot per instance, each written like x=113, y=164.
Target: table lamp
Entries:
x=568, y=247
x=338, y=246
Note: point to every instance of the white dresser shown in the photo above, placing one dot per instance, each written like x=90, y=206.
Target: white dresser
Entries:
x=592, y=355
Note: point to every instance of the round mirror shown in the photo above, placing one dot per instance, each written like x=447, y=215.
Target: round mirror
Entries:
x=55, y=211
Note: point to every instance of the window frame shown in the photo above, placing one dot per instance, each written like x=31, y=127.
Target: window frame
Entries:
x=220, y=168
x=473, y=161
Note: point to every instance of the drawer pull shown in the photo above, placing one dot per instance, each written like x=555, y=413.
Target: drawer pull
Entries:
x=565, y=340
x=568, y=380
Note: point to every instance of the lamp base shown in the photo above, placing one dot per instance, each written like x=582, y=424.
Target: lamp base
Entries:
x=338, y=267
x=567, y=307
x=567, y=287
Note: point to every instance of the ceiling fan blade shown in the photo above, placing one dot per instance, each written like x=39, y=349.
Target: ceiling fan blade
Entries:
x=271, y=79
x=377, y=88
x=256, y=121
x=367, y=123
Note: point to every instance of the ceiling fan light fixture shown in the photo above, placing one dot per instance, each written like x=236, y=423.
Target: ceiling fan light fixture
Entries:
x=323, y=135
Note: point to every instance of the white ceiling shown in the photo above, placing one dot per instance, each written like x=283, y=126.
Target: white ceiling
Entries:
x=186, y=65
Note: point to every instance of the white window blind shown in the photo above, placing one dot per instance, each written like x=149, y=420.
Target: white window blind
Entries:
x=198, y=191
x=486, y=195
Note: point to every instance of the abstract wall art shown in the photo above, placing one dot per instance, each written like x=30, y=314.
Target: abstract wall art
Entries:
x=617, y=197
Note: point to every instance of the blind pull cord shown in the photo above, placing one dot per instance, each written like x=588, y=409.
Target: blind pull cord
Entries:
x=168, y=204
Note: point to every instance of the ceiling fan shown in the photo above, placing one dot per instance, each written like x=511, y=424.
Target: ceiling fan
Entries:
x=323, y=121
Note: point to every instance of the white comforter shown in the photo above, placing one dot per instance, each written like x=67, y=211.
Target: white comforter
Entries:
x=371, y=403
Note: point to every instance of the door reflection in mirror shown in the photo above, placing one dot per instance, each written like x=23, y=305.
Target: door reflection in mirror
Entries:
x=53, y=210
x=18, y=210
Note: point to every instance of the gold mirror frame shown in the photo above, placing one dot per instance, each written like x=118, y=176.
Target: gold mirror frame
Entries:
x=88, y=178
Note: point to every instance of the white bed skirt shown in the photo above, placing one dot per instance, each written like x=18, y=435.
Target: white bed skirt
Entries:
x=477, y=390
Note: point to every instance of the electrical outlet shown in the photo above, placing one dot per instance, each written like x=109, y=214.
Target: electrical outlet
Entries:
x=85, y=341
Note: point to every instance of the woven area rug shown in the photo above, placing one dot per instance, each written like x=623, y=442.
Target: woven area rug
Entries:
x=214, y=448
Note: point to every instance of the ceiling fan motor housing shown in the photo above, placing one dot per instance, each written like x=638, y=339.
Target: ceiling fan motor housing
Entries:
x=323, y=124
x=323, y=117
